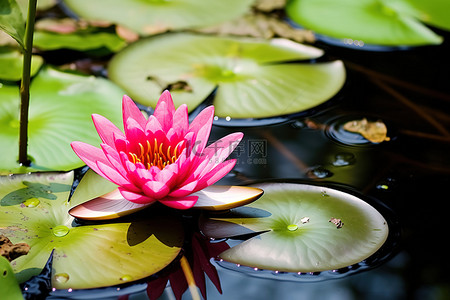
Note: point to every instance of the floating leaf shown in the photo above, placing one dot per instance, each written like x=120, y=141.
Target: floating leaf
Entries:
x=294, y=230
x=8, y=283
x=86, y=256
x=81, y=41
x=253, y=80
x=150, y=17
x=11, y=63
x=12, y=20
x=61, y=105
x=375, y=132
x=387, y=23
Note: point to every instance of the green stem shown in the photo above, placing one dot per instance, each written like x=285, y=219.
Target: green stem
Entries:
x=25, y=84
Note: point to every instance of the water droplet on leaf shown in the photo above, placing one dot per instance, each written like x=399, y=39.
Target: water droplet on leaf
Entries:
x=62, y=277
x=60, y=230
x=32, y=202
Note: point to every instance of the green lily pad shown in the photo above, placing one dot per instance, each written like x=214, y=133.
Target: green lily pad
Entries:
x=11, y=62
x=149, y=17
x=85, y=256
x=375, y=22
x=81, y=41
x=8, y=283
x=301, y=228
x=252, y=77
x=61, y=105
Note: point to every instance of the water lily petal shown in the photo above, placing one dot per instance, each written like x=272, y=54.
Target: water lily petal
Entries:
x=217, y=152
x=131, y=111
x=221, y=197
x=164, y=110
x=109, y=206
x=135, y=197
x=107, y=131
x=184, y=190
x=215, y=174
x=90, y=155
x=181, y=120
x=115, y=177
x=180, y=203
x=155, y=189
x=114, y=158
x=201, y=126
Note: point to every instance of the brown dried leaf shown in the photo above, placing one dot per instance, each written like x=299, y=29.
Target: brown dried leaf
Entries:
x=12, y=251
x=375, y=132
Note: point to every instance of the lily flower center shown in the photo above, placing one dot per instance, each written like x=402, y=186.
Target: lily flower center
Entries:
x=154, y=154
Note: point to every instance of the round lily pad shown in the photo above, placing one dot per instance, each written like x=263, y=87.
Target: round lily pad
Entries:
x=252, y=77
x=301, y=228
x=60, y=111
x=85, y=256
x=374, y=22
x=149, y=17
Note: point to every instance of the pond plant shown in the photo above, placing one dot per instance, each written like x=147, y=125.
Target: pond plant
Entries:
x=146, y=207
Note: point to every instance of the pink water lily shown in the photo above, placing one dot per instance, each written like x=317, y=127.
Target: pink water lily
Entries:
x=162, y=158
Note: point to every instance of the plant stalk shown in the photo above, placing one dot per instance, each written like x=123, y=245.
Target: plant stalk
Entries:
x=189, y=278
x=25, y=84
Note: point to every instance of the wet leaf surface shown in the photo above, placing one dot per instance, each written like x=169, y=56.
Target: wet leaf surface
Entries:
x=85, y=256
x=296, y=229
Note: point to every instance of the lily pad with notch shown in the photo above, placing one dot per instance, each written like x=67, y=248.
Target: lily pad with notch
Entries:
x=85, y=255
x=250, y=78
x=300, y=228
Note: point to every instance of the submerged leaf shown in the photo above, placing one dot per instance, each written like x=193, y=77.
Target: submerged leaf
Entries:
x=294, y=232
x=86, y=256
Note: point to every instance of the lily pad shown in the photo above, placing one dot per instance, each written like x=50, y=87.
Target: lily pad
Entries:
x=81, y=41
x=252, y=77
x=11, y=63
x=61, y=105
x=149, y=17
x=375, y=22
x=301, y=228
x=85, y=256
